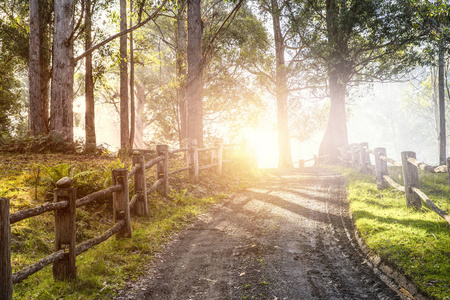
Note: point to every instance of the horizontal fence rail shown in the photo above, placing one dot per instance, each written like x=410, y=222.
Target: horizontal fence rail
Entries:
x=65, y=205
x=409, y=164
x=317, y=159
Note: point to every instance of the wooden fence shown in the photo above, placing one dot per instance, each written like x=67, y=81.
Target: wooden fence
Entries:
x=316, y=159
x=65, y=204
x=357, y=156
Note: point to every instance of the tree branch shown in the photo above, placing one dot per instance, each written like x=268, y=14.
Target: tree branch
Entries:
x=92, y=49
x=78, y=24
x=221, y=28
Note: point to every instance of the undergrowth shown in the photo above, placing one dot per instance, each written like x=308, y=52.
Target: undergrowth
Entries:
x=416, y=242
x=28, y=180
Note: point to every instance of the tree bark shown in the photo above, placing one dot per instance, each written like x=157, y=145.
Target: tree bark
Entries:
x=46, y=57
x=63, y=70
x=89, y=117
x=124, y=122
x=284, y=146
x=139, y=135
x=338, y=78
x=336, y=132
x=132, y=106
x=39, y=68
x=442, y=133
x=34, y=72
x=194, y=87
x=181, y=71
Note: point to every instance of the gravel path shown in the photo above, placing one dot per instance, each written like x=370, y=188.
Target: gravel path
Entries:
x=287, y=238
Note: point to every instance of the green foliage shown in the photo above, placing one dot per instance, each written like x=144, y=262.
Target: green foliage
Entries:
x=38, y=144
x=179, y=197
x=55, y=173
x=416, y=242
x=13, y=60
x=106, y=172
x=107, y=267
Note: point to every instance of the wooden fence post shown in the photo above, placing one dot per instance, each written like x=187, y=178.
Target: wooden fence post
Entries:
x=363, y=157
x=192, y=159
x=346, y=157
x=355, y=156
x=411, y=179
x=340, y=156
x=141, y=206
x=121, y=202
x=65, y=230
x=6, y=284
x=218, y=143
x=162, y=169
x=381, y=168
x=301, y=163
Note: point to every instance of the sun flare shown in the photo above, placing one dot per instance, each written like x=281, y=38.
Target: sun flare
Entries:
x=265, y=144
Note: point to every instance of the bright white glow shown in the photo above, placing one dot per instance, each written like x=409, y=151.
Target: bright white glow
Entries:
x=106, y=124
x=265, y=144
x=305, y=150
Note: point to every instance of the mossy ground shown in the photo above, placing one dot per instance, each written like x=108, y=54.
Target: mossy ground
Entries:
x=104, y=269
x=416, y=242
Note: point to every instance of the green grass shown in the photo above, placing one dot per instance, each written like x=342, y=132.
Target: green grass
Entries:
x=105, y=268
x=416, y=242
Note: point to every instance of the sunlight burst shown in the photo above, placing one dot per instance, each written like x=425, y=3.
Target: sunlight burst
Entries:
x=265, y=144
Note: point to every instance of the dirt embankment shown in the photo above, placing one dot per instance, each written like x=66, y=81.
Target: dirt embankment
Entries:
x=290, y=237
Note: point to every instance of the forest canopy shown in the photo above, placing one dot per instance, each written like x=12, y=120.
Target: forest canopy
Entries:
x=139, y=73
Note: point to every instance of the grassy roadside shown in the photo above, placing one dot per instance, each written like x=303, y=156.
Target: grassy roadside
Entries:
x=416, y=242
x=107, y=267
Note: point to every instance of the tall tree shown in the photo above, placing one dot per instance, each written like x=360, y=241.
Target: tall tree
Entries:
x=181, y=69
x=39, y=65
x=339, y=71
x=434, y=21
x=227, y=92
x=89, y=116
x=442, y=133
x=364, y=41
x=124, y=120
x=194, y=85
x=281, y=90
x=61, y=117
x=34, y=73
x=132, y=101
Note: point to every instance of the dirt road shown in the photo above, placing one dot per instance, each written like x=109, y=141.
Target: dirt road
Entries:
x=288, y=238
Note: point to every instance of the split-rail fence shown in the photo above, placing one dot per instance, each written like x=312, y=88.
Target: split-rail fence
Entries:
x=357, y=156
x=65, y=204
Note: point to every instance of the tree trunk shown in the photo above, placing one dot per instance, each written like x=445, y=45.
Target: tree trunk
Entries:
x=284, y=146
x=39, y=73
x=63, y=70
x=434, y=77
x=194, y=87
x=181, y=71
x=89, y=83
x=46, y=68
x=132, y=108
x=338, y=77
x=442, y=133
x=139, y=136
x=124, y=123
x=36, y=122
x=336, y=132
